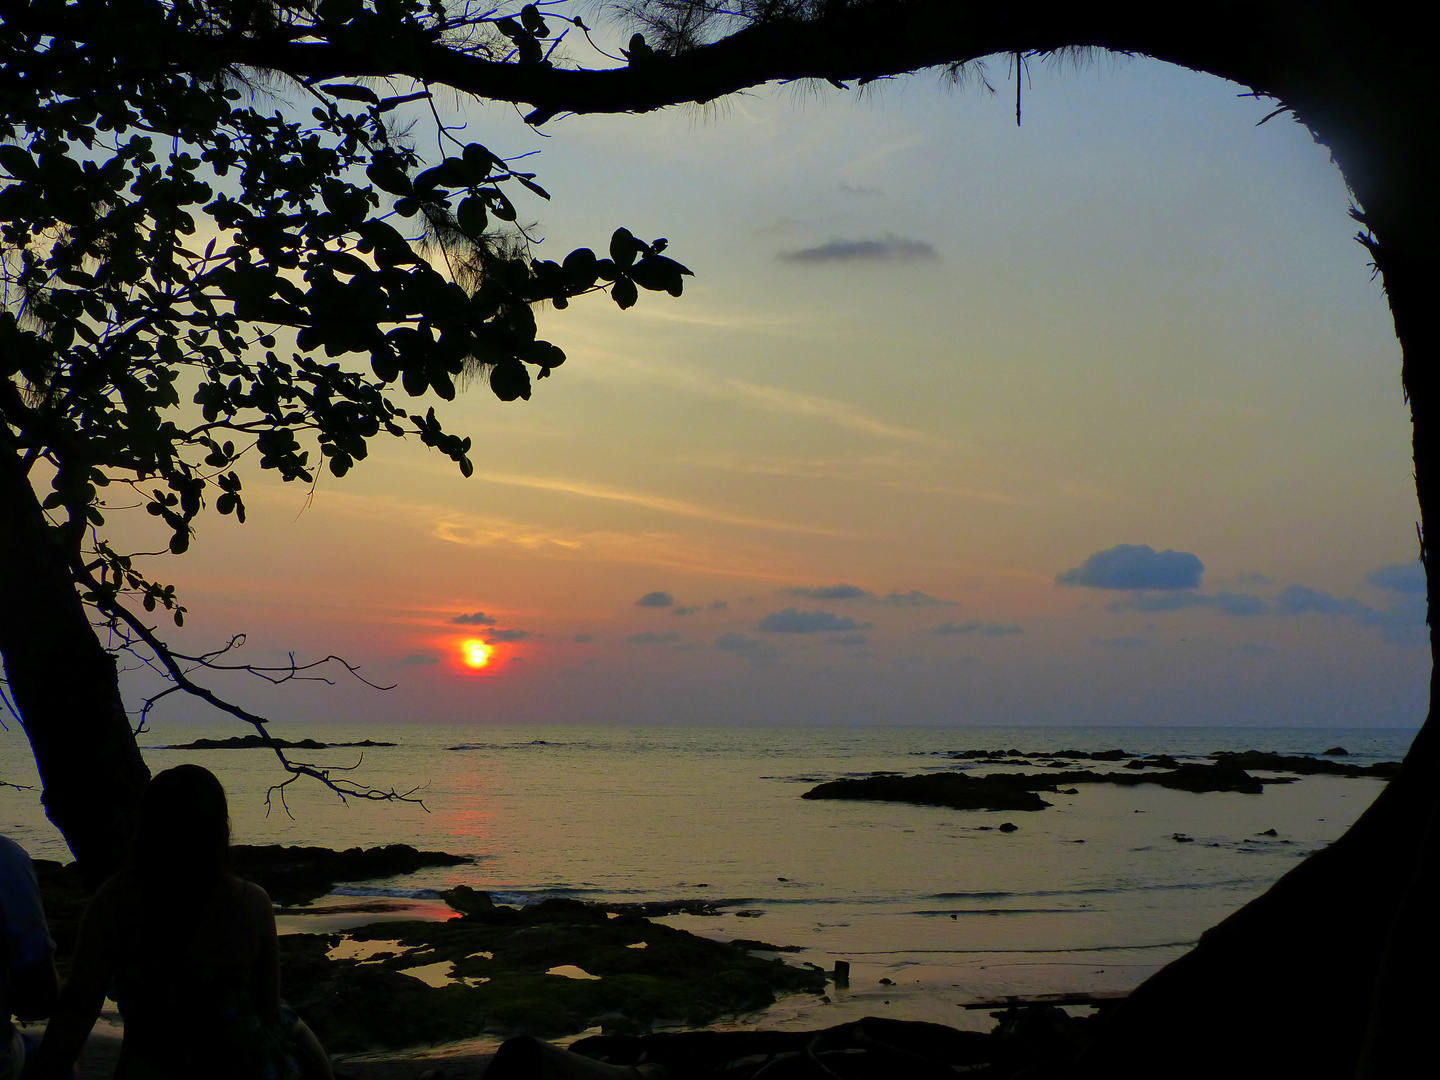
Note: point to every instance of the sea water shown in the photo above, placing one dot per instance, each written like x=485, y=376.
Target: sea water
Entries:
x=1093, y=893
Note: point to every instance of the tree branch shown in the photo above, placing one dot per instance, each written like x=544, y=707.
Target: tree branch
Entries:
x=859, y=41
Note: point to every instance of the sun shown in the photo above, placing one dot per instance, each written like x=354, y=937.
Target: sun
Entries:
x=475, y=653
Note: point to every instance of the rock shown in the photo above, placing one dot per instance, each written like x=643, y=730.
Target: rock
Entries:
x=751, y=945
x=1268, y=832
x=1009, y=827
x=678, y=977
x=1303, y=764
x=870, y=1049
x=1181, y=838
x=256, y=742
x=467, y=901
x=956, y=791
x=617, y=1023
x=1336, y=751
x=300, y=875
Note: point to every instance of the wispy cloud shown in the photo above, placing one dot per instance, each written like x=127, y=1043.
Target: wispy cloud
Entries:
x=898, y=471
x=1402, y=623
x=661, y=549
x=478, y=618
x=886, y=249
x=794, y=621
x=1226, y=603
x=981, y=629
x=747, y=648
x=587, y=490
x=914, y=598
x=650, y=637
x=769, y=398
x=830, y=592
x=505, y=635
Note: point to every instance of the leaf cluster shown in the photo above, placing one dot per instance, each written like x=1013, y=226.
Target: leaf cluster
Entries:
x=196, y=270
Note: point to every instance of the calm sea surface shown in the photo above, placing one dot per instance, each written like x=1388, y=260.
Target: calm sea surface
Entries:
x=928, y=898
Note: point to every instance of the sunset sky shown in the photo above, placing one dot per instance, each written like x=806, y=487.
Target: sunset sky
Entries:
x=1097, y=420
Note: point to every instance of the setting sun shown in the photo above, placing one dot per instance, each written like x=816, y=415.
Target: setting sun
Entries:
x=475, y=653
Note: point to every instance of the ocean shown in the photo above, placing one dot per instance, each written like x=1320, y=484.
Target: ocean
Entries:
x=939, y=902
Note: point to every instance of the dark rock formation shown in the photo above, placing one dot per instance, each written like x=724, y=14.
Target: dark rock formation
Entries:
x=957, y=791
x=255, y=742
x=300, y=875
x=868, y=1049
x=504, y=954
x=1017, y=791
x=1303, y=764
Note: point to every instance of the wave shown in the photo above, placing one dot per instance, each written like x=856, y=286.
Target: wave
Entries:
x=1027, y=952
x=953, y=912
x=390, y=892
x=1234, y=883
x=532, y=744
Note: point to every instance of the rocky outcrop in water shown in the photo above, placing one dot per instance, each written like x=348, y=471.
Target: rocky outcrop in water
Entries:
x=1303, y=764
x=255, y=742
x=300, y=875
x=957, y=791
x=1018, y=791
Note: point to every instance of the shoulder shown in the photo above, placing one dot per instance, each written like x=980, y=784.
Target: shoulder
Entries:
x=254, y=894
x=11, y=852
x=15, y=866
x=22, y=916
x=256, y=902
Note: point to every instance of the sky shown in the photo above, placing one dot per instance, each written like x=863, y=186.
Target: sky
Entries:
x=1096, y=420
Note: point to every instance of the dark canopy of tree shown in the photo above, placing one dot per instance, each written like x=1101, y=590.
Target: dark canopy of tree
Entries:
x=216, y=243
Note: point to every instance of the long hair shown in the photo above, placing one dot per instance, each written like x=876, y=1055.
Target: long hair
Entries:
x=182, y=841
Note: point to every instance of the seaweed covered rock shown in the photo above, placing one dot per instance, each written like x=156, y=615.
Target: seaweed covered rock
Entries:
x=299, y=875
x=551, y=969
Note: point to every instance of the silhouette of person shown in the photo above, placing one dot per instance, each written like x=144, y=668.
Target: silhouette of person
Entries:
x=192, y=951
x=28, y=983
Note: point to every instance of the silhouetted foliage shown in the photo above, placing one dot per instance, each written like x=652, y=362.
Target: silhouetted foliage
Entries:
x=205, y=262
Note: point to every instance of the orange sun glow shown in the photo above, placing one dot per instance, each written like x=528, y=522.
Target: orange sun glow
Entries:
x=475, y=653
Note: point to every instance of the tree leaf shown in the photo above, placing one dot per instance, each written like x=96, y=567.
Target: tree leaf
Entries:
x=351, y=92
x=623, y=247
x=624, y=293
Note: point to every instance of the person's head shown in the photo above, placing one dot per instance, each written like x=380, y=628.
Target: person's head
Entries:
x=184, y=828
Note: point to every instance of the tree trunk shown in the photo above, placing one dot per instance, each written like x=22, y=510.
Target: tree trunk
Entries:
x=64, y=684
x=1318, y=976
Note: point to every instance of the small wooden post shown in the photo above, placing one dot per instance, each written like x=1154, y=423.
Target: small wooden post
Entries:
x=841, y=975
